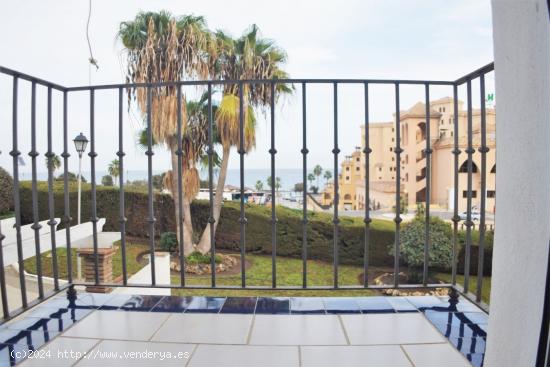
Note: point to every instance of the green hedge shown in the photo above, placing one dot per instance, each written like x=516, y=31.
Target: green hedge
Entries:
x=258, y=229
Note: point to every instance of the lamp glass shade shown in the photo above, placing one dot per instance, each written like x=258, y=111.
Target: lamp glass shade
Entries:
x=80, y=143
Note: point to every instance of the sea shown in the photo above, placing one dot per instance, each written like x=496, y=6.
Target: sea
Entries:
x=288, y=176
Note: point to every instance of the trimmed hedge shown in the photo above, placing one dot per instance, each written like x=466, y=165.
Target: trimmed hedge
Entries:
x=6, y=191
x=320, y=228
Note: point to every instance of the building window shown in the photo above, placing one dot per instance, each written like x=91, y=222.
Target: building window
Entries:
x=452, y=133
x=379, y=169
x=464, y=167
x=391, y=149
x=392, y=159
x=465, y=194
x=494, y=169
x=392, y=139
x=391, y=169
x=393, y=178
x=443, y=109
x=347, y=197
x=357, y=168
x=347, y=168
x=379, y=177
x=442, y=121
x=357, y=159
x=392, y=129
x=347, y=178
x=491, y=194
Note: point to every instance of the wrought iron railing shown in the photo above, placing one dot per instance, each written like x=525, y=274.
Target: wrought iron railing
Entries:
x=335, y=149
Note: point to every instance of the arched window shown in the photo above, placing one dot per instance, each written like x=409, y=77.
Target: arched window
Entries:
x=494, y=169
x=464, y=167
x=347, y=197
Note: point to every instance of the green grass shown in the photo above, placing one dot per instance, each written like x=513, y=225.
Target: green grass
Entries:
x=132, y=266
x=289, y=274
x=7, y=215
x=485, y=289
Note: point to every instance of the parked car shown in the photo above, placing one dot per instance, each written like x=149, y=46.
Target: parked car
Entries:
x=475, y=215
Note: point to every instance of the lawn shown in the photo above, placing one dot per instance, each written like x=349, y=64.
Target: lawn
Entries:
x=132, y=266
x=289, y=273
x=258, y=273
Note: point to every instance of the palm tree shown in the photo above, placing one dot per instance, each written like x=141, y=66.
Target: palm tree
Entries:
x=277, y=183
x=317, y=171
x=327, y=176
x=159, y=48
x=53, y=163
x=311, y=178
x=114, y=168
x=259, y=185
x=248, y=57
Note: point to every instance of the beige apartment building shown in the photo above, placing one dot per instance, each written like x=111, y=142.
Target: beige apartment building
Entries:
x=382, y=167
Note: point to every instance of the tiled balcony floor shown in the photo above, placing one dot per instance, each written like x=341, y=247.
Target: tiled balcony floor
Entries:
x=120, y=330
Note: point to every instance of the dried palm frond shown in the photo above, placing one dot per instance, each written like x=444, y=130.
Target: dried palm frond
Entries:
x=191, y=183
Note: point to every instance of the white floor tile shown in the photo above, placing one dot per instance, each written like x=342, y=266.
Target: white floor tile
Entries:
x=390, y=329
x=297, y=330
x=123, y=325
x=61, y=352
x=354, y=356
x=205, y=328
x=435, y=355
x=244, y=356
x=120, y=353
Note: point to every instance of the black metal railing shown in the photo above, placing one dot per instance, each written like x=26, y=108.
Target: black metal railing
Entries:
x=210, y=85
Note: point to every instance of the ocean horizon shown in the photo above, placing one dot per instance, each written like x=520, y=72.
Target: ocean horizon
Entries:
x=289, y=176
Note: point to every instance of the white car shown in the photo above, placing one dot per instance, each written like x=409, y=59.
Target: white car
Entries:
x=475, y=215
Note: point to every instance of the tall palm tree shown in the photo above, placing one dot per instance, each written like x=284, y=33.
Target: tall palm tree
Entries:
x=161, y=48
x=327, y=176
x=114, y=168
x=248, y=57
x=317, y=171
x=53, y=163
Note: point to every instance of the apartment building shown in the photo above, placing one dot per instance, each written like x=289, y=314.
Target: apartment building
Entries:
x=414, y=132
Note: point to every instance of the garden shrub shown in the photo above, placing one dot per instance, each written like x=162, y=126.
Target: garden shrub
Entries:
x=413, y=238
x=168, y=242
x=6, y=191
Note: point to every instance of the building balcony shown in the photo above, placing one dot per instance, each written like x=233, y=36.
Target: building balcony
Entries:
x=140, y=303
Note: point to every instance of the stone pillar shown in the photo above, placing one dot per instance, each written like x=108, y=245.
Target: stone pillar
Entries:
x=105, y=267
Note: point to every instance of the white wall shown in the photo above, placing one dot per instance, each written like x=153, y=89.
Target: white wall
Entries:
x=522, y=64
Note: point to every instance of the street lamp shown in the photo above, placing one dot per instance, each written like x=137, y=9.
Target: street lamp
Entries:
x=80, y=143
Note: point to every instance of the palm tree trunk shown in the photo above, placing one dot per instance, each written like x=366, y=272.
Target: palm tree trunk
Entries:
x=187, y=229
x=204, y=243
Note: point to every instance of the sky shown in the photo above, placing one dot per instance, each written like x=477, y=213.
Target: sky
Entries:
x=391, y=39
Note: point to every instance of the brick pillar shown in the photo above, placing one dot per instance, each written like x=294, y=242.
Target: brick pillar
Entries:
x=105, y=265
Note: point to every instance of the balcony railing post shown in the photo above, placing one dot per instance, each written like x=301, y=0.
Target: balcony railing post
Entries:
x=150, y=192
x=179, y=153
x=92, y=156
x=211, y=219
x=428, y=152
x=36, y=226
x=272, y=152
x=15, y=153
x=398, y=150
x=469, y=151
x=367, y=151
x=67, y=218
x=456, y=218
x=121, y=154
x=304, y=152
x=483, y=150
x=52, y=222
x=335, y=220
x=242, y=151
